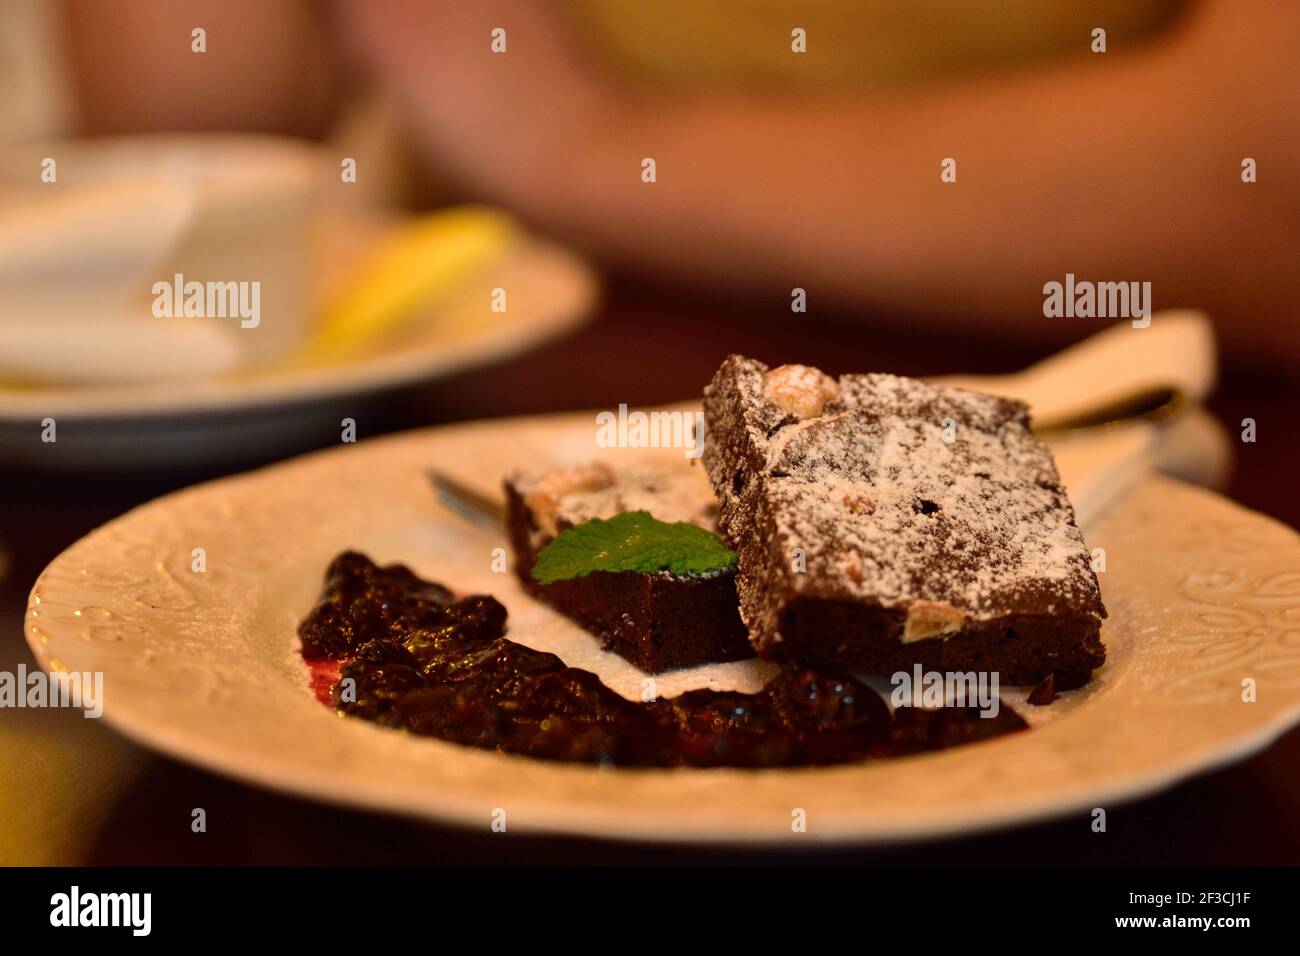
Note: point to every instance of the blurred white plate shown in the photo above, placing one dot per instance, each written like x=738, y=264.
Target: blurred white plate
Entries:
x=1202, y=594
x=253, y=414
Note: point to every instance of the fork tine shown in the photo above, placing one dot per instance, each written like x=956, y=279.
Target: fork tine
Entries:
x=466, y=502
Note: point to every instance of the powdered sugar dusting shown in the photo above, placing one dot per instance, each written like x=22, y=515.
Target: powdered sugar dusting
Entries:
x=670, y=491
x=903, y=492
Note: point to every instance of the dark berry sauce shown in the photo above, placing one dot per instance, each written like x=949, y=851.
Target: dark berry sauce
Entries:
x=404, y=652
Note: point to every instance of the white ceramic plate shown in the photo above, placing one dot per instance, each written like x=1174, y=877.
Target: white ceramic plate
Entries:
x=1202, y=595
x=552, y=291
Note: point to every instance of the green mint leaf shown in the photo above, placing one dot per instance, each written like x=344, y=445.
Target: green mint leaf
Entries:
x=632, y=541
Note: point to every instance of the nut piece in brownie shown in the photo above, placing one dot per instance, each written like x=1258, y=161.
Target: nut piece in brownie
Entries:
x=656, y=620
x=881, y=522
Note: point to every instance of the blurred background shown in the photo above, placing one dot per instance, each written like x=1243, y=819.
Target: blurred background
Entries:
x=466, y=210
x=794, y=146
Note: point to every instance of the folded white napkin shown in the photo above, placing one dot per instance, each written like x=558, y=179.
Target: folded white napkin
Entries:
x=151, y=259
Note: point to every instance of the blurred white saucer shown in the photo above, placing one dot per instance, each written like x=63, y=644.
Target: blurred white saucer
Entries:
x=258, y=413
x=226, y=208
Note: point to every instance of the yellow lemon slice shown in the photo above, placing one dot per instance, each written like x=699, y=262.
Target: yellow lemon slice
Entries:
x=420, y=264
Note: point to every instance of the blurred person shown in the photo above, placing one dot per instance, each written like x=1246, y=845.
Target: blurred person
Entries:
x=821, y=170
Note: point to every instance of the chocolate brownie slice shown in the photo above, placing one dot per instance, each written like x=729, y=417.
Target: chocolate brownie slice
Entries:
x=657, y=621
x=881, y=522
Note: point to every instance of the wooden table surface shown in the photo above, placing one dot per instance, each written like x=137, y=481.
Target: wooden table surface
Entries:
x=75, y=792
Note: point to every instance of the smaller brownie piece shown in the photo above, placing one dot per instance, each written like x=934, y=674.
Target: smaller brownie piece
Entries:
x=656, y=620
x=882, y=522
